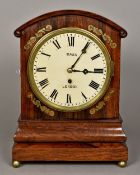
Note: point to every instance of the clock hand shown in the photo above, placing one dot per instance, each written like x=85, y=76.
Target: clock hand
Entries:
x=83, y=51
x=76, y=70
x=85, y=71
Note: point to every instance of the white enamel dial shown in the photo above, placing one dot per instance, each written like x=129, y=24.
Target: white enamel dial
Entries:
x=69, y=69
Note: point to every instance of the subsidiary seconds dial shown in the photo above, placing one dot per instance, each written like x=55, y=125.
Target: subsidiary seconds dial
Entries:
x=69, y=69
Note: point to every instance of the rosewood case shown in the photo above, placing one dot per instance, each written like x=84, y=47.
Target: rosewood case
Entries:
x=93, y=134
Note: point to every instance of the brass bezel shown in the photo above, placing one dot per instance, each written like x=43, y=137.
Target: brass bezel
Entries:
x=31, y=62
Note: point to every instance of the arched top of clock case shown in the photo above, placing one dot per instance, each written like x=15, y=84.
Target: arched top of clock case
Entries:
x=123, y=33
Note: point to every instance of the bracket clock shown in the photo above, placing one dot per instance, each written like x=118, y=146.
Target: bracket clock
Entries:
x=70, y=84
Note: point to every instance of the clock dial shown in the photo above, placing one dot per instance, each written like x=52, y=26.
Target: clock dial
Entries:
x=69, y=69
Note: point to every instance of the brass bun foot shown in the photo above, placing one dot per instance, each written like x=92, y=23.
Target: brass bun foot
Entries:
x=16, y=164
x=122, y=164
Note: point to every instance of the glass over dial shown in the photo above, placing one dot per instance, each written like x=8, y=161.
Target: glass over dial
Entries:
x=69, y=69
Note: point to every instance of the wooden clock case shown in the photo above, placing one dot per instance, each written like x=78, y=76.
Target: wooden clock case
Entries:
x=93, y=134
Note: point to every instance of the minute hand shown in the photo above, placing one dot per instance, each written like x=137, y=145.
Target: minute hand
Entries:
x=83, y=51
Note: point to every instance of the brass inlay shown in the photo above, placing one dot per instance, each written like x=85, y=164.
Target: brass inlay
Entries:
x=101, y=103
x=105, y=37
x=37, y=103
x=37, y=36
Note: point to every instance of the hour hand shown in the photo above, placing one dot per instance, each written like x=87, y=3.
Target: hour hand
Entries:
x=73, y=70
x=85, y=71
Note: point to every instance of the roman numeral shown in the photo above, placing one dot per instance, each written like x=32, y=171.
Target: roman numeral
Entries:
x=71, y=40
x=68, y=98
x=56, y=44
x=98, y=70
x=84, y=96
x=94, y=85
x=54, y=94
x=96, y=56
x=41, y=69
x=44, y=83
x=46, y=54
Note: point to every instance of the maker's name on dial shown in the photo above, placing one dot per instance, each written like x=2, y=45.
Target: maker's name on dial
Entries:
x=70, y=86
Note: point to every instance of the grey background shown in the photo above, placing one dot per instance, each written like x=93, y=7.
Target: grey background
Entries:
x=16, y=12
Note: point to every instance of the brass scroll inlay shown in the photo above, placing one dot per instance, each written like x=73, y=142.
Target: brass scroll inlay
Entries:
x=37, y=36
x=37, y=103
x=101, y=103
x=105, y=37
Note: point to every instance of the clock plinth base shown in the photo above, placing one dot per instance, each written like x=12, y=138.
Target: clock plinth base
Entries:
x=100, y=140
x=70, y=152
